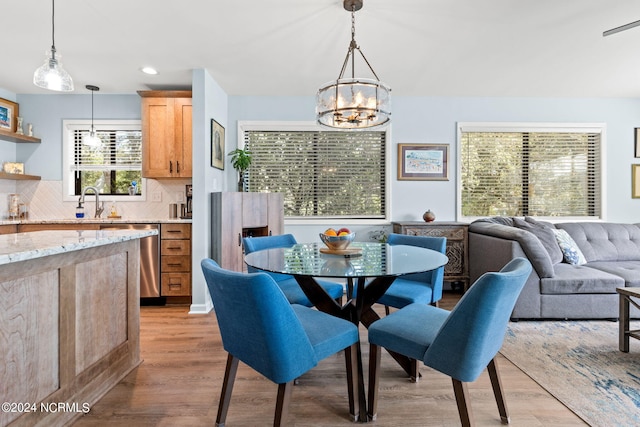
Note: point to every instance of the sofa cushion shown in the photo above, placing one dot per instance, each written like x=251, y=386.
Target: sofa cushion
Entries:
x=544, y=233
x=579, y=279
x=536, y=253
x=627, y=270
x=570, y=250
x=605, y=241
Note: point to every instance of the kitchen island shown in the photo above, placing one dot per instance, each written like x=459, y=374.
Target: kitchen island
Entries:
x=69, y=321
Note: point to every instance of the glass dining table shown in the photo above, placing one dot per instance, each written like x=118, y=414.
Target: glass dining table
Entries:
x=369, y=269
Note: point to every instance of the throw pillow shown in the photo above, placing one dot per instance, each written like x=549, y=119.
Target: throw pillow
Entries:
x=570, y=250
x=546, y=236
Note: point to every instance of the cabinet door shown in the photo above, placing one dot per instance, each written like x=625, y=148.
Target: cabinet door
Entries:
x=158, y=136
x=183, y=135
x=254, y=210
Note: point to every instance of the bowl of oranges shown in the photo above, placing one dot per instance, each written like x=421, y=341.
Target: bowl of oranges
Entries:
x=337, y=239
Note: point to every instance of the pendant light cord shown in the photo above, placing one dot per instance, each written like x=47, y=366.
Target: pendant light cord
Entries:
x=53, y=28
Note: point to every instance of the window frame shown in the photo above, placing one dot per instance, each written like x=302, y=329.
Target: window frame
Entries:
x=522, y=127
x=310, y=126
x=68, y=181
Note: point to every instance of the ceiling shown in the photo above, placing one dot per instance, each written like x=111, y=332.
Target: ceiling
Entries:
x=546, y=48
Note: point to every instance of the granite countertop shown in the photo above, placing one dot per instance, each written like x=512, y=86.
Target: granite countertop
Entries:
x=100, y=221
x=38, y=244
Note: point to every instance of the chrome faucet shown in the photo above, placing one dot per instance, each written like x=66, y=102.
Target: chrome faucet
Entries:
x=99, y=206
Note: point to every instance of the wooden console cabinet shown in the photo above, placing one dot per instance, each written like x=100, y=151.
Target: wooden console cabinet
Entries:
x=235, y=215
x=457, y=269
x=166, y=134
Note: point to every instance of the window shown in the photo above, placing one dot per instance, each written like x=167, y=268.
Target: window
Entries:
x=110, y=167
x=530, y=169
x=331, y=174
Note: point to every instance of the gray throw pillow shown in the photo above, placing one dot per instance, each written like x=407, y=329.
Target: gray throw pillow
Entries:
x=545, y=234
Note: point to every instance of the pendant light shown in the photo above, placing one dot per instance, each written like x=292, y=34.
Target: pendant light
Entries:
x=92, y=138
x=353, y=103
x=51, y=75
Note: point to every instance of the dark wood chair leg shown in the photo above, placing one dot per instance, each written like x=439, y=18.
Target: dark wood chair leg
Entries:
x=282, y=403
x=496, y=384
x=386, y=310
x=462, y=399
x=350, y=357
x=415, y=370
x=227, y=388
x=374, y=380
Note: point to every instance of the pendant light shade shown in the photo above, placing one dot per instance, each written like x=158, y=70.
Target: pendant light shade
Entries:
x=51, y=75
x=92, y=138
x=353, y=103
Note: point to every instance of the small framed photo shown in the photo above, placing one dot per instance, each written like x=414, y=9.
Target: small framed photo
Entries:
x=11, y=167
x=423, y=162
x=636, y=145
x=635, y=181
x=217, y=145
x=8, y=114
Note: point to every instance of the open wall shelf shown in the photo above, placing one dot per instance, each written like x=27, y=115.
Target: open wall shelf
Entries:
x=19, y=176
x=14, y=137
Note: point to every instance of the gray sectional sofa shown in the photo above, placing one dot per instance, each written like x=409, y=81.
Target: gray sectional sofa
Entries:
x=572, y=278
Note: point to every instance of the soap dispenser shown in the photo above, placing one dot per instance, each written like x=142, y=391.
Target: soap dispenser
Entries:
x=79, y=210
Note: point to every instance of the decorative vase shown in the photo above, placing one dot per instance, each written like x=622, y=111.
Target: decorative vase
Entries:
x=429, y=216
x=19, y=129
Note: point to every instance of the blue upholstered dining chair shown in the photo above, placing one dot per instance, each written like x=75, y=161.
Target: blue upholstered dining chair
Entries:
x=424, y=288
x=287, y=283
x=279, y=340
x=460, y=343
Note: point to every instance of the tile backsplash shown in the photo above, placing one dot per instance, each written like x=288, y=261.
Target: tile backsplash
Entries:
x=45, y=200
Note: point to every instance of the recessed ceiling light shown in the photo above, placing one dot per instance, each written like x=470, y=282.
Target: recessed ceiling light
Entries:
x=149, y=70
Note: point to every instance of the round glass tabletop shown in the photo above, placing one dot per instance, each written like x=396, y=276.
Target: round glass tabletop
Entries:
x=365, y=260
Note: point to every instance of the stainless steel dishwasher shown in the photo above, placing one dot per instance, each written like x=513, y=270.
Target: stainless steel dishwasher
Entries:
x=149, y=258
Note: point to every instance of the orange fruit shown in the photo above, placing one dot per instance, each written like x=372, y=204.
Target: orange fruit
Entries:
x=330, y=232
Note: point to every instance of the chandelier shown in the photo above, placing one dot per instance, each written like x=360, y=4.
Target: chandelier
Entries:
x=353, y=103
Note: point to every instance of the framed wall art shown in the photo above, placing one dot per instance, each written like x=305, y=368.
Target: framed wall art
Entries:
x=636, y=142
x=8, y=114
x=217, y=145
x=423, y=162
x=635, y=181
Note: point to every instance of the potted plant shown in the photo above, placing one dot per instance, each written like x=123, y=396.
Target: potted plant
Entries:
x=240, y=160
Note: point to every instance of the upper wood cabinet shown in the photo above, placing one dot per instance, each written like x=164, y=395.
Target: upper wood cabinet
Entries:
x=166, y=134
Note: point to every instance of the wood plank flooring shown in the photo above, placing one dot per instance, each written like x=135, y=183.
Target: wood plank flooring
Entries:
x=179, y=382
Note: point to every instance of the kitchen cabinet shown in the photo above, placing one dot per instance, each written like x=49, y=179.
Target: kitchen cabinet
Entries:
x=235, y=215
x=23, y=228
x=457, y=269
x=8, y=228
x=175, y=260
x=166, y=134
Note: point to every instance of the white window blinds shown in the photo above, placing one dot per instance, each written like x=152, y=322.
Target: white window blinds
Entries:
x=120, y=150
x=326, y=174
x=538, y=173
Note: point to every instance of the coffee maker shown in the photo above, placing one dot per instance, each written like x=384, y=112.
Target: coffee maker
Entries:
x=187, y=210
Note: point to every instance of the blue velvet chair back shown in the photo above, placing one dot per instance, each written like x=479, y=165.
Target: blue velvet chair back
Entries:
x=474, y=330
x=253, y=244
x=257, y=323
x=433, y=277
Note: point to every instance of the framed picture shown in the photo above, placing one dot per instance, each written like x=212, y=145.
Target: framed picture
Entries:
x=636, y=145
x=635, y=181
x=11, y=167
x=217, y=145
x=8, y=114
x=423, y=162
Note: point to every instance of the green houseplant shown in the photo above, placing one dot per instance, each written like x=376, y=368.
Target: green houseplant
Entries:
x=240, y=160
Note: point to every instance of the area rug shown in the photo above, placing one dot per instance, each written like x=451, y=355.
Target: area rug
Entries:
x=578, y=362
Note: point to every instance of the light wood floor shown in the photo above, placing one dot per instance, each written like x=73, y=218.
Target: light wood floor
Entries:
x=179, y=382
